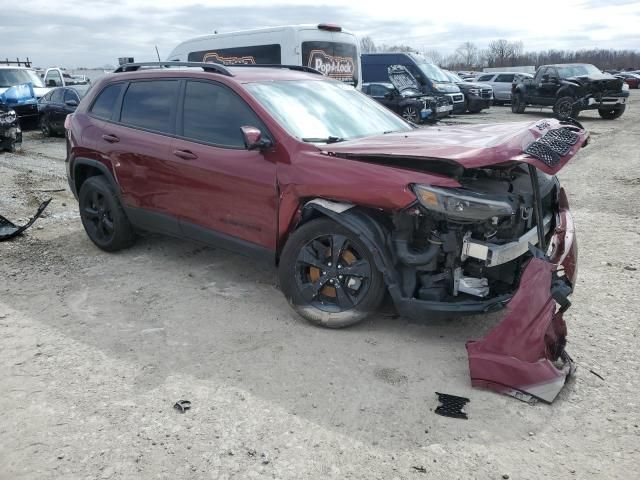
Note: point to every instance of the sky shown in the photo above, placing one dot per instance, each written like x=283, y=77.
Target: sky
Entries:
x=91, y=33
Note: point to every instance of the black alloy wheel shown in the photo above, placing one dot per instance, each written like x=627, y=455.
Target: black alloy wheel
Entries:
x=331, y=274
x=565, y=107
x=102, y=215
x=328, y=275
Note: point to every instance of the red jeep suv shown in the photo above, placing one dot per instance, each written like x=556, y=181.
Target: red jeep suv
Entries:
x=349, y=200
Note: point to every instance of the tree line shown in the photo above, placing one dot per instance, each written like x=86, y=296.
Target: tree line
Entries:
x=504, y=53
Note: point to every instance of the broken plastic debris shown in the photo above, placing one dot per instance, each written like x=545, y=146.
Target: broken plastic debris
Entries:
x=9, y=230
x=451, y=406
x=182, y=405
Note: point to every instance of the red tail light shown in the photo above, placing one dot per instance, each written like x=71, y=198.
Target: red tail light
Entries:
x=331, y=27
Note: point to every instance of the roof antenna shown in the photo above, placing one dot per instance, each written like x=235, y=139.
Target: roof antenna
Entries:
x=158, y=54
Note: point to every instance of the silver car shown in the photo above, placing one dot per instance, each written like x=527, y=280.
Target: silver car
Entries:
x=501, y=83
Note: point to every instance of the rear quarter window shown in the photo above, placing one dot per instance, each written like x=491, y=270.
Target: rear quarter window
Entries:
x=105, y=103
x=505, y=78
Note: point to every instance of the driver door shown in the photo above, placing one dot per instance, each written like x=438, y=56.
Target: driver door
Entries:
x=222, y=192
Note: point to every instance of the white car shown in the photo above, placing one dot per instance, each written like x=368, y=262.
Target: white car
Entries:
x=501, y=83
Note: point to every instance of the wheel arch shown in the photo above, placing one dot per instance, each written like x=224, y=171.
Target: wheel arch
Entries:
x=365, y=226
x=84, y=168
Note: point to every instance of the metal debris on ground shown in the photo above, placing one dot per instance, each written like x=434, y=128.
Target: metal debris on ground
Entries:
x=419, y=468
x=182, y=405
x=451, y=406
x=9, y=230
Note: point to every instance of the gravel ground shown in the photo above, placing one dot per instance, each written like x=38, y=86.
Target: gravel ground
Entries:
x=97, y=347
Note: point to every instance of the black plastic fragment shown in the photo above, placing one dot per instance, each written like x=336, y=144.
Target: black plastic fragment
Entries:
x=451, y=406
x=565, y=134
x=543, y=152
x=182, y=405
x=9, y=230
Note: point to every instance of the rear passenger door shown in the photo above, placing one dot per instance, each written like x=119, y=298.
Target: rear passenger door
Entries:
x=137, y=139
x=223, y=193
x=503, y=83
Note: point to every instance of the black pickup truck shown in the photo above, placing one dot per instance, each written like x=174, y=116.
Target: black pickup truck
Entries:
x=571, y=88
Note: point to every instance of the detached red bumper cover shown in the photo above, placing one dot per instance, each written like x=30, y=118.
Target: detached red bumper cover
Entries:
x=524, y=355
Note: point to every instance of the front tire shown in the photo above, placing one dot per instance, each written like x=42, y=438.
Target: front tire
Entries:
x=612, y=113
x=565, y=108
x=45, y=126
x=102, y=215
x=328, y=275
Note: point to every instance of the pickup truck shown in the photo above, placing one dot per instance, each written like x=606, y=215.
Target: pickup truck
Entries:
x=56, y=77
x=569, y=89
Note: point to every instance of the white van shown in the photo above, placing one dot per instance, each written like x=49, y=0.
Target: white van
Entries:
x=325, y=47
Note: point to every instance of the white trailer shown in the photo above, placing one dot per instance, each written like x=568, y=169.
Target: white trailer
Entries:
x=325, y=47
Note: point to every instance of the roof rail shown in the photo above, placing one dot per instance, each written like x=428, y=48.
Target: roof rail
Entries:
x=298, y=68
x=207, y=67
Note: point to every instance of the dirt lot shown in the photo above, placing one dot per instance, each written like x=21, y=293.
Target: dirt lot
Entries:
x=96, y=348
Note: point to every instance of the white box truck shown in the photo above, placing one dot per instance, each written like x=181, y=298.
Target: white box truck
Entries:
x=325, y=47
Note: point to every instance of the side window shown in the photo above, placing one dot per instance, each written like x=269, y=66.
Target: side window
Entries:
x=378, y=90
x=150, y=104
x=553, y=73
x=105, y=104
x=505, y=78
x=484, y=78
x=56, y=95
x=540, y=73
x=71, y=95
x=214, y=114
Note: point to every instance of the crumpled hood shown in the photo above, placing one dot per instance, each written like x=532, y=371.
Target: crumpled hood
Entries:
x=467, y=85
x=470, y=146
x=604, y=80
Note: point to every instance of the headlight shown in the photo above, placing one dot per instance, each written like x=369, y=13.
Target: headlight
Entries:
x=474, y=91
x=462, y=204
x=7, y=117
x=625, y=86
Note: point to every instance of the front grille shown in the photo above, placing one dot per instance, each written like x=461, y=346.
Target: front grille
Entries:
x=487, y=93
x=564, y=134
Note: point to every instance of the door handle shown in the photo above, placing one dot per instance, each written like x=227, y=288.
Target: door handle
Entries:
x=110, y=138
x=185, y=154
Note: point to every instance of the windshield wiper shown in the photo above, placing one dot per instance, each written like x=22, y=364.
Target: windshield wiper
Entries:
x=329, y=139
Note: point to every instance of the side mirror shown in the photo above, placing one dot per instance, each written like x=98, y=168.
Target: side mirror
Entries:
x=388, y=95
x=71, y=103
x=545, y=77
x=253, y=139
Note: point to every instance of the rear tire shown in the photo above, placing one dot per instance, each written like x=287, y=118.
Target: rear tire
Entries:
x=102, y=215
x=612, y=113
x=328, y=275
x=518, y=104
x=565, y=108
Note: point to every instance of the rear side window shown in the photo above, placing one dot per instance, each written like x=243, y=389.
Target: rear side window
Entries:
x=378, y=90
x=71, y=95
x=56, y=95
x=214, y=114
x=484, y=78
x=150, y=105
x=105, y=104
x=505, y=78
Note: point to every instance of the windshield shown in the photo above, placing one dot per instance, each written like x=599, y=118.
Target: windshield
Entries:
x=433, y=72
x=10, y=77
x=577, y=70
x=324, y=110
x=453, y=77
